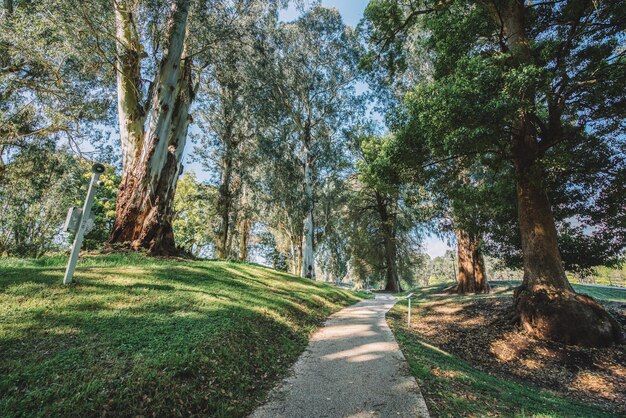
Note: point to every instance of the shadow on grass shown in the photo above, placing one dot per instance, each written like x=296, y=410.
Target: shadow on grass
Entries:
x=465, y=326
x=455, y=388
x=181, y=339
x=178, y=365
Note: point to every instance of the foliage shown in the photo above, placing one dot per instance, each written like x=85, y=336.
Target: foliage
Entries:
x=459, y=118
x=381, y=217
x=49, y=86
x=308, y=70
x=194, y=208
x=38, y=187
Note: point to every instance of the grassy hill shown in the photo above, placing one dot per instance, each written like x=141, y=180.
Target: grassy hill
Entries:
x=137, y=336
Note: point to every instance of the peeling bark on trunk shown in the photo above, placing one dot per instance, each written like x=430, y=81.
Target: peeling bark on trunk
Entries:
x=308, y=258
x=546, y=304
x=152, y=159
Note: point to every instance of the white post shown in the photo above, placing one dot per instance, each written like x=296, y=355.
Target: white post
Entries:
x=97, y=170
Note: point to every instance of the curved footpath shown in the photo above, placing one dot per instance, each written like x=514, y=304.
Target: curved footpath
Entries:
x=353, y=368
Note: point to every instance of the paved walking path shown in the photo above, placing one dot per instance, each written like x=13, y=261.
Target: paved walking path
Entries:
x=353, y=368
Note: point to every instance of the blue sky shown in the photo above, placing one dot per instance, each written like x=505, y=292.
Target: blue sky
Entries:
x=351, y=10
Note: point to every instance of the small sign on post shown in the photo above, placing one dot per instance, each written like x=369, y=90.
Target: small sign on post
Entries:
x=409, y=297
x=80, y=222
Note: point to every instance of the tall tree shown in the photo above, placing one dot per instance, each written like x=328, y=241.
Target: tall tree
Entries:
x=151, y=152
x=227, y=121
x=382, y=216
x=233, y=114
x=310, y=74
x=536, y=79
x=194, y=203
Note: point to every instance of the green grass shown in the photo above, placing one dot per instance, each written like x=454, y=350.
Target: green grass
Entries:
x=499, y=289
x=139, y=336
x=611, y=295
x=454, y=388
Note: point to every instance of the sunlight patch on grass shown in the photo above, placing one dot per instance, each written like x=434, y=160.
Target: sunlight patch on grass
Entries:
x=453, y=387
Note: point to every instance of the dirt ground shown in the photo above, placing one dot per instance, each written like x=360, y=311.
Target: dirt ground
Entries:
x=471, y=328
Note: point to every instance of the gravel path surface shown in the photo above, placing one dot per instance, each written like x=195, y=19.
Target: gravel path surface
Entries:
x=353, y=368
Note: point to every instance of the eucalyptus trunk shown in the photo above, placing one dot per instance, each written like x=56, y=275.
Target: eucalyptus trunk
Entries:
x=232, y=226
x=546, y=303
x=298, y=259
x=244, y=239
x=308, y=258
x=152, y=158
x=245, y=224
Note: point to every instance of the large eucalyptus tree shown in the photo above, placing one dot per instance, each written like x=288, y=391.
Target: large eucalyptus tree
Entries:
x=168, y=43
x=153, y=123
x=310, y=72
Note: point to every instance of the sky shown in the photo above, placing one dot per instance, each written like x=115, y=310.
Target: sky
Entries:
x=352, y=12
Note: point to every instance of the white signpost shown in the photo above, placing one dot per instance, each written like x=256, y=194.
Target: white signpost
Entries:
x=409, y=297
x=81, y=221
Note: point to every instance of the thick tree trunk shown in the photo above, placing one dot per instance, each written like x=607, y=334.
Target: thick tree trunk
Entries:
x=152, y=162
x=547, y=305
x=465, y=277
x=471, y=277
x=308, y=257
x=392, y=281
x=244, y=238
x=480, y=272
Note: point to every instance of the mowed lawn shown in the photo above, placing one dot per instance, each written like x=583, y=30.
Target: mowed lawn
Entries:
x=137, y=336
